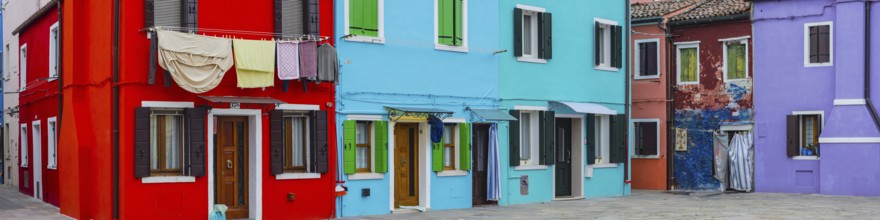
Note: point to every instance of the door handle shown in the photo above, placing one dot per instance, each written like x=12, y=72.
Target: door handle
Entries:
x=229, y=164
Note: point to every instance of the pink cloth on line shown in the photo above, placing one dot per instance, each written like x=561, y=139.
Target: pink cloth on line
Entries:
x=288, y=60
x=308, y=59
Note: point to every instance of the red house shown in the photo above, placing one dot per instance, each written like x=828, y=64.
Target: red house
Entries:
x=38, y=109
x=142, y=145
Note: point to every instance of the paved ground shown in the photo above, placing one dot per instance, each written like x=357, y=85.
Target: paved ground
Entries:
x=14, y=205
x=663, y=205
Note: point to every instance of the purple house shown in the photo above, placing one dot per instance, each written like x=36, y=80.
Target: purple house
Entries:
x=817, y=130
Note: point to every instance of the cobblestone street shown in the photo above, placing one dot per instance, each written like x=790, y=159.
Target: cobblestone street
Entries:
x=663, y=205
x=14, y=205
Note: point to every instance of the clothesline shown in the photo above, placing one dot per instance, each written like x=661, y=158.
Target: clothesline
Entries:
x=274, y=35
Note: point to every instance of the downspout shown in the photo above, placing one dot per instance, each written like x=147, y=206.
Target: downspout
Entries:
x=868, y=102
x=115, y=103
x=60, y=4
x=670, y=138
x=628, y=101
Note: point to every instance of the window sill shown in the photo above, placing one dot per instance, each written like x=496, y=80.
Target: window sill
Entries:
x=605, y=68
x=531, y=60
x=366, y=176
x=168, y=179
x=736, y=80
x=604, y=165
x=647, y=77
x=51, y=168
x=646, y=157
x=50, y=79
x=297, y=176
x=805, y=158
x=818, y=64
x=687, y=83
x=365, y=39
x=461, y=49
x=452, y=173
x=531, y=167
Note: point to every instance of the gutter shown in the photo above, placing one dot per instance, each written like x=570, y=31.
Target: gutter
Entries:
x=710, y=20
x=115, y=104
x=868, y=102
x=648, y=20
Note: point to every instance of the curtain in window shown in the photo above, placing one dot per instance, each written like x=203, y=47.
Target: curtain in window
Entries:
x=808, y=131
x=493, y=189
x=172, y=142
x=362, y=152
x=736, y=60
x=298, y=144
x=153, y=144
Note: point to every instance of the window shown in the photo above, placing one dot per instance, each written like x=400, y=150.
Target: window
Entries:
x=804, y=129
x=603, y=136
x=22, y=68
x=647, y=59
x=24, y=145
x=529, y=137
x=296, y=142
x=172, y=13
x=364, y=145
x=451, y=25
x=6, y=63
x=688, y=63
x=365, y=21
x=647, y=135
x=608, y=45
x=818, y=44
x=297, y=18
x=449, y=147
x=166, y=141
x=533, y=30
x=52, y=144
x=53, y=51
x=736, y=60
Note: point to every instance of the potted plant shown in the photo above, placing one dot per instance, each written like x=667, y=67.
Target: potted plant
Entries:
x=809, y=149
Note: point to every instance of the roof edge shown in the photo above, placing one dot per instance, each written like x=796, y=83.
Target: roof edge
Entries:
x=710, y=19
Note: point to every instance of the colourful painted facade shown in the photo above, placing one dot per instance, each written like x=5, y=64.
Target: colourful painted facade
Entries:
x=706, y=98
x=791, y=88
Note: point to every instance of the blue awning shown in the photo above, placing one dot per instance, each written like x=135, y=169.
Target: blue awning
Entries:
x=492, y=115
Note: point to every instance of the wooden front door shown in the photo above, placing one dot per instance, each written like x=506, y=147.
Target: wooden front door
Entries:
x=563, y=157
x=406, y=166
x=480, y=155
x=232, y=166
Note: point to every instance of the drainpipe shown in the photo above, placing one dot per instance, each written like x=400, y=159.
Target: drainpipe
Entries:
x=670, y=138
x=868, y=102
x=60, y=4
x=115, y=114
x=626, y=105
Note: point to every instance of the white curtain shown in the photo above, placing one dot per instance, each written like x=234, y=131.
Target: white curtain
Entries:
x=741, y=162
x=493, y=192
x=172, y=142
x=298, y=141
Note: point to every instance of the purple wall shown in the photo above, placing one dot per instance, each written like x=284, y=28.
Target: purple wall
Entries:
x=783, y=85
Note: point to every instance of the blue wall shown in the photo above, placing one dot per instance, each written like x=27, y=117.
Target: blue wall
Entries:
x=407, y=70
x=569, y=76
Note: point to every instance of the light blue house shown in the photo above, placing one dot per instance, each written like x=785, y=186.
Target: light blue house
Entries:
x=400, y=63
x=564, y=78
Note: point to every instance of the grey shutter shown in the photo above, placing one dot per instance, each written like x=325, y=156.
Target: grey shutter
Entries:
x=154, y=50
x=651, y=59
x=141, y=142
x=276, y=142
x=318, y=151
x=279, y=14
x=312, y=20
x=814, y=44
x=792, y=136
x=293, y=18
x=513, y=134
x=646, y=138
x=190, y=15
x=597, y=53
x=616, y=46
x=196, y=147
x=545, y=34
x=643, y=59
x=148, y=13
x=824, y=44
x=517, y=33
x=547, y=148
x=591, y=138
x=167, y=13
x=618, y=139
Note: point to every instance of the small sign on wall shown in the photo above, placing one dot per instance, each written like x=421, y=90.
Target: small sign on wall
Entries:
x=524, y=185
x=681, y=141
x=234, y=105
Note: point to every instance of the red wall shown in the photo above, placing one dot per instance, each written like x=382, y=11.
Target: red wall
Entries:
x=39, y=101
x=87, y=104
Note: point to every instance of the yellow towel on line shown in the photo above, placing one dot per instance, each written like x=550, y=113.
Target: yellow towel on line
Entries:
x=254, y=63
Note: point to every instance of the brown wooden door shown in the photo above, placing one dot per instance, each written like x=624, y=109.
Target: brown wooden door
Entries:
x=480, y=155
x=406, y=166
x=232, y=166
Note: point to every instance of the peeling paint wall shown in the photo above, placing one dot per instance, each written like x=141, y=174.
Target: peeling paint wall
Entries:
x=704, y=107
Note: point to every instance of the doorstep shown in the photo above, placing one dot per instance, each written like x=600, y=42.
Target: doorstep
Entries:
x=567, y=198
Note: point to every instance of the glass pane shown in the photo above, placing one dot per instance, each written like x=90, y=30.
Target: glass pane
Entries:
x=173, y=126
x=297, y=130
x=527, y=34
x=447, y=156
x=601, y=44
x=153, y=142
x=362, y=154
x=447, y=135
x=362, y=133
x=526, y=136
x=809, y=133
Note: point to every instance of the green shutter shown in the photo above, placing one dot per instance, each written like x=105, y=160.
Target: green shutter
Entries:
x=464, y=151
x=371, y=18
x=736, y=61
x=444, y=21
x=457, y=23
x=513, y=139
x=349, y=146
x=688, y=65
x=547, y=137
x=356, y=17
x=437, y=156
x=381, y=147
x=618, y=148
x=591, y=138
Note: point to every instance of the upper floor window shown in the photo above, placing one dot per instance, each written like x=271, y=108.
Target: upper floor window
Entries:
x=174, y=14
x=736, y=59
x=296, y=18
x=364, y=21
x=533, y=34
x=688, y=65
x=22, y=68
x=451, y=25
x=818, y=44
x=647, y=59
x=608, y=45
x=53, y=51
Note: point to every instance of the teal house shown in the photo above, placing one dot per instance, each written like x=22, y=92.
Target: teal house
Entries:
x=564, y=77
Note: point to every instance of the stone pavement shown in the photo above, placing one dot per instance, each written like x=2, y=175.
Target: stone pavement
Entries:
x=14, y=205
x=666, y=205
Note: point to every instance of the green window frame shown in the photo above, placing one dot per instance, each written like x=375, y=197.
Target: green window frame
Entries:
x=736, y=63
x=450, y=22
x=688, y=65
x=363, y=18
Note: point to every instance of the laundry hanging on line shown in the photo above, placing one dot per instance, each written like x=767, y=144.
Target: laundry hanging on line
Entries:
x=308, y=59
x=288, y=60
x=254, y=63
x=328, y=64
x=196, y=63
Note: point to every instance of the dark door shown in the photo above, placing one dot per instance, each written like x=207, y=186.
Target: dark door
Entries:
x=232, y=166
x=480, y=157
x=406, y=165
x=563, y=157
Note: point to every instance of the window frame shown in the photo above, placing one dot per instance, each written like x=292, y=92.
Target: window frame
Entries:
x=531, y=11
x=53, y=51
x=22, y=67
x=288, y=146
x=635, y=140
x=534, y=138
x=807, y=26
x=24, y=146
x=637, y=60
x=603, y=140
x=745, y=42
x=160, y=159
x=686, y=45
x=821, y=125
x=369, y=145
x=366, y=39
x=464, y=29
x=452, y=144
x=606, y=64
x=6, y=61
x=52, y=143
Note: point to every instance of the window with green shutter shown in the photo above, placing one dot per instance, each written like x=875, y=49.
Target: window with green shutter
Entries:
x=736, y=60
x=362, y=141
x=363, y=17
x=688, y=64
x=450, y=22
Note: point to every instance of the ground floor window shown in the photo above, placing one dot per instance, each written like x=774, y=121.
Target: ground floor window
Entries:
x=803, y=134
x=647, y=137
x=448, y=147
x=364, y=144
x=296, y=142
x=166, y=134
